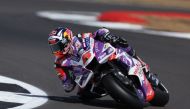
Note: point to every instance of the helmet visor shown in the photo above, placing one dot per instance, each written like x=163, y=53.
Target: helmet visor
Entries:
x=59, y=46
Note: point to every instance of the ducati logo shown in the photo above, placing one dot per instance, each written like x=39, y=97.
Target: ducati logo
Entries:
x=15, y=94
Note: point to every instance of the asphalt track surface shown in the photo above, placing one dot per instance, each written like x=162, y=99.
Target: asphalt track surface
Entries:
x=25, y=55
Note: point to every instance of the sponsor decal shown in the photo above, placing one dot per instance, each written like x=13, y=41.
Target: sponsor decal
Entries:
x=138, y=70
x=16, y=94
x=87, y=42
x=106, y=45
x=102, y=56
x=96, y=48
x=77, y=45
x=109, y=50
x=127, y=60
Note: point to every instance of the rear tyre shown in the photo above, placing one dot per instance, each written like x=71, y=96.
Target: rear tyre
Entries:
x=120, y=93
x=161, y=96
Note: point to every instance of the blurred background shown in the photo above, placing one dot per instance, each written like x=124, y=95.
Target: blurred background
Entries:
x=25, y=54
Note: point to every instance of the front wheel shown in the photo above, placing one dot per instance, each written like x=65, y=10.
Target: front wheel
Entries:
x=161, y=96
x=120, y=93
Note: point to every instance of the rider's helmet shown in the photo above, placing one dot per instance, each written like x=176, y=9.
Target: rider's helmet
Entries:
x=60, y=40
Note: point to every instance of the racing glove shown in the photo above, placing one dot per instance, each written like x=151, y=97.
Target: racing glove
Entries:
x=104, y=35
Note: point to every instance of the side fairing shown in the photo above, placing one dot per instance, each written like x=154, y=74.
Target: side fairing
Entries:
x=81, y=57
x=103, y=51
x=137, y=70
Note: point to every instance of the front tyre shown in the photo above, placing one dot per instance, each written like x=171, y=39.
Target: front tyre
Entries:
x=120, y=93
x=161, y=96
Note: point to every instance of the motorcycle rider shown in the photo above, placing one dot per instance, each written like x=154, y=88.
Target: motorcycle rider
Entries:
x=64, y=45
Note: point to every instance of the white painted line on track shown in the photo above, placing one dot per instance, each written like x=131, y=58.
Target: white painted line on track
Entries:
x=89, y=1
x=168, y=34
x=29, y=101
x=112, y=25
x=86, y=19
x=83, y=18
x=65, y=16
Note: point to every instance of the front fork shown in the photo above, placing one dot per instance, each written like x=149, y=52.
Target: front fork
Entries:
x=141, y=85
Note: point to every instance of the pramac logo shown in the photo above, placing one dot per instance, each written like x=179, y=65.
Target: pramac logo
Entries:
x=15, y=94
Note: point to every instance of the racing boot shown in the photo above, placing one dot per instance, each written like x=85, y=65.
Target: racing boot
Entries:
x=68, y=82
x=68, y=85
x=104, y=35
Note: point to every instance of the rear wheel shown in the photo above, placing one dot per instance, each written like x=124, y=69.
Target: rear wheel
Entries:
x=120, y=93
x=161, y=96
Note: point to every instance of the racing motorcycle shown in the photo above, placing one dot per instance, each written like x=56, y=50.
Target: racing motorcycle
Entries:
x=113, y=72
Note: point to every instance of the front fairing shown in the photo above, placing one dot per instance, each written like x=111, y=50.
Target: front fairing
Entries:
x=135, y=68
x=145, y=86
x=99, y=50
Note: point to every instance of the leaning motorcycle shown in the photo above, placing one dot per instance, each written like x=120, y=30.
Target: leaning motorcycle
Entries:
x=113, y=72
